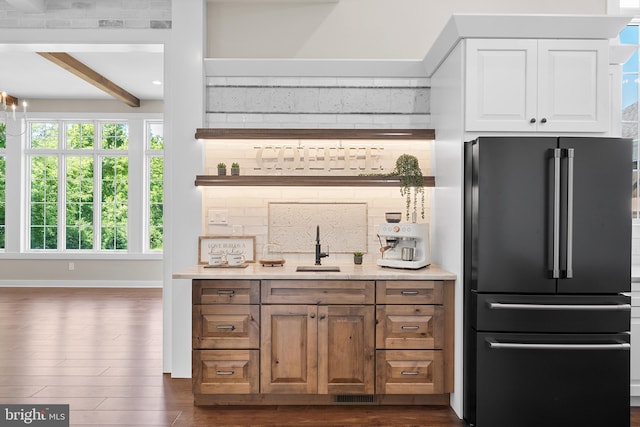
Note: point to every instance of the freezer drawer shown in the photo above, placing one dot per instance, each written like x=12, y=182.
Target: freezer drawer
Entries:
x=551, y=313
x=533, y=380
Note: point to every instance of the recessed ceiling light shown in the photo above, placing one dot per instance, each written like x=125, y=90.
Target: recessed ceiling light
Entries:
x=157, y=82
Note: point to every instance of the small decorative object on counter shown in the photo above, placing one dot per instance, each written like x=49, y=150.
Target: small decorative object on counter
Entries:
x=222, y=169
x=235, y=169
x=272, y=255
x=357, y=257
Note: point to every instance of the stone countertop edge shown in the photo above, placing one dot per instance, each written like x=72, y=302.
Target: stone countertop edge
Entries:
x=288, y=272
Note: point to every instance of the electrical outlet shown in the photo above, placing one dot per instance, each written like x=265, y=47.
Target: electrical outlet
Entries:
x=217, y=216
x=72, y=266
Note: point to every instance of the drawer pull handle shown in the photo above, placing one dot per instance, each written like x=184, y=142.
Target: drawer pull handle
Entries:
x=410, y=328
x=410, y=372
x=225, y=372
x=226, y=292
x=578, y=307
x=226, y=327
x=409, y=292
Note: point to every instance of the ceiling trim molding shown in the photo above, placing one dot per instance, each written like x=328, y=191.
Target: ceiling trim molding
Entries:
x=79, y=69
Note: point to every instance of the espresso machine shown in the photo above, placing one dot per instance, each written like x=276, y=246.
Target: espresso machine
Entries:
x=404, y=245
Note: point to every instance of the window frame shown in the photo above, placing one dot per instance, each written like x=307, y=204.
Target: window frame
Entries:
x=137, y=203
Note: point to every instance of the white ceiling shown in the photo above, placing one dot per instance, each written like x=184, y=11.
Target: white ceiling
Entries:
x=26, y=75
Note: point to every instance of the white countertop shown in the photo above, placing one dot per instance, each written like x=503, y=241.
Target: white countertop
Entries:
x=288, y=271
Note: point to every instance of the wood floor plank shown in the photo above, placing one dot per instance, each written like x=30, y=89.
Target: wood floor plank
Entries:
x=75, y=403
x=19, y=391
x=124, y=418
x=78, y=380
x=99, y=391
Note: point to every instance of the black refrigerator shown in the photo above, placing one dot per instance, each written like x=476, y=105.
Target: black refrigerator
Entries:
x=547, y=258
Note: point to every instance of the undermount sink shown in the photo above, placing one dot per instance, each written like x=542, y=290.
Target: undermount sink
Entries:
x=317, y=268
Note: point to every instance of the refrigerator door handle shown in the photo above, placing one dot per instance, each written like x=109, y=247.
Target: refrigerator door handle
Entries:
x=556, y=213
x=570, y=156
x=585, y=307
x=555, y=346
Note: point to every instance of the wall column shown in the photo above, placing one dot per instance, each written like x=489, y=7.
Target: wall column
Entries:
x=184, y=112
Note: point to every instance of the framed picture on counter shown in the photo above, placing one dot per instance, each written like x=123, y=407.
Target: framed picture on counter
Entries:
x=246, y=245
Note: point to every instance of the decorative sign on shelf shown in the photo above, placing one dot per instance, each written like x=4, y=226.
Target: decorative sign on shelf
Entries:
x=245, y=245
x=291, y=158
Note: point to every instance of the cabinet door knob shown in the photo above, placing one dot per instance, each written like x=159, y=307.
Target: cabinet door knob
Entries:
x=313, y=316
x=544, y=120
x=533, y=120
x=322, y=316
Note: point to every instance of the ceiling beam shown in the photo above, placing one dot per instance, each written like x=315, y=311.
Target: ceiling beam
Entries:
x=28, y=6
x=76, y=67
x=10, y=100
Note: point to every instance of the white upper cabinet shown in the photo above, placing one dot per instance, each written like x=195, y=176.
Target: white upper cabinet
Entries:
x=529, y=85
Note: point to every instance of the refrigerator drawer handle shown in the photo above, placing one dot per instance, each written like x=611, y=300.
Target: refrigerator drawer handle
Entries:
x=549, y=346
x=585, y=307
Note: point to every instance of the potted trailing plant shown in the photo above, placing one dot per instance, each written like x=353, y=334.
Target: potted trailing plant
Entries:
x=411, y=183
x=357, y=257
x=222, y=169
x=235, y=168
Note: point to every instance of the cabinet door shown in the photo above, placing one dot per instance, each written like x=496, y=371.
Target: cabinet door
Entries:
x=289, y=347
x=501, y=85
x=573, y=85
x=346, y=359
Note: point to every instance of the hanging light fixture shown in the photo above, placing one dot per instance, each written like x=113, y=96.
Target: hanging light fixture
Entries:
x=8, y=110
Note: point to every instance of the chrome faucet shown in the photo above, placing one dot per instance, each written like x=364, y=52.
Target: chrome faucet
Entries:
x=319, y=253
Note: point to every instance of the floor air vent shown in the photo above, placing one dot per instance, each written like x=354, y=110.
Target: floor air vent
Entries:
x=355, y=399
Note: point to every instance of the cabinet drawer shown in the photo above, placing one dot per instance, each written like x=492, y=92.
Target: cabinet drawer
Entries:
x=410, y=326
x=409, y=292
x=317, y=292
x=225, y=371
x=226, y=292
x=226, y=326
x=409, y=372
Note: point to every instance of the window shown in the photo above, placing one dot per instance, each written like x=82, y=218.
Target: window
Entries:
x=155, y=188
x=79, y=185
x=630, y=118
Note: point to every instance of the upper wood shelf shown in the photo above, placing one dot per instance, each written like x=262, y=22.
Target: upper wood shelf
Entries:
x=378, y=134
x=304, y=181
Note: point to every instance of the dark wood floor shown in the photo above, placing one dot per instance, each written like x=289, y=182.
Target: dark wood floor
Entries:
x=99, y=350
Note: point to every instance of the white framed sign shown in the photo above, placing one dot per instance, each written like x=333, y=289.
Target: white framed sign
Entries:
x=245, y=245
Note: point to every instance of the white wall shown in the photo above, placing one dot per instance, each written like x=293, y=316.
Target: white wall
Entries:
x=353, y=29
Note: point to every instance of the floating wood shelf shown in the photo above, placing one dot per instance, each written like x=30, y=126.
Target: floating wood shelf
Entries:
x=378, y=134
x=304, y=181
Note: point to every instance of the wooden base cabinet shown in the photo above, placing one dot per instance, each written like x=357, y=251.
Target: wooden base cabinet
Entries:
x=317, y=349
x=322, y=342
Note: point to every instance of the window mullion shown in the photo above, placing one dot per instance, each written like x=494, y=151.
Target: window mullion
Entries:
x=97, y=202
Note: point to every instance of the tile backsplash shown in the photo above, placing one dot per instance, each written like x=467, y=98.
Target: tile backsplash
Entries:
x=246, y=209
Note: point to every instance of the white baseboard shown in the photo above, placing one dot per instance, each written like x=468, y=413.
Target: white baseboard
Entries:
x=80, y=284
